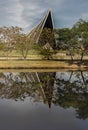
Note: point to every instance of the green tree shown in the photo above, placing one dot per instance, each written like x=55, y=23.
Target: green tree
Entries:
x=64, y=40
x=74, y=40
x=80, y=30
x=72, y=92
x=47, y=36
x=47, y=53
x=23, y=45
x=46, y=44
x=7, y=37
x=63, y=35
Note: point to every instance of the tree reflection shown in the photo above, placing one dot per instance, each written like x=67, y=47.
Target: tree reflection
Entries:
x=73, y=92
x=47, y=81
x=17, y=86
x=66, y=89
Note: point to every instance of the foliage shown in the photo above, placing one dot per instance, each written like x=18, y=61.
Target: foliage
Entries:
x=23, y=45
x=74, y=40
x=2, y=46
x=7, y=37
x=62, y=37
x=12, y=38
x=46, y=43
x=47, y=36
x=81, y=34
x=72, y=92
x=47, y=53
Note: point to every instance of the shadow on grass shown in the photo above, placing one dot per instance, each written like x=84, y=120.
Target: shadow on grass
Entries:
x=78, y=63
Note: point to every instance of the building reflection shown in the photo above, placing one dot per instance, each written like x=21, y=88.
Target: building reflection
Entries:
x=20, y=85
x=66, y=89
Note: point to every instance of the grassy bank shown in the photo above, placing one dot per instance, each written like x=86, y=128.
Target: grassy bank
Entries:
x=35, y=55
x=27, y=64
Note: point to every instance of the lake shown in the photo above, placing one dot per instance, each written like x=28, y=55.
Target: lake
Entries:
x=44, y=100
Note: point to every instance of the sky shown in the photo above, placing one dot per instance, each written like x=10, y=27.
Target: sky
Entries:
x=27, y=13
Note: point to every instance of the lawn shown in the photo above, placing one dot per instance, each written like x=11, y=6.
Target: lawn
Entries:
x=22, y=64
x=34, y=60
x=33, y=54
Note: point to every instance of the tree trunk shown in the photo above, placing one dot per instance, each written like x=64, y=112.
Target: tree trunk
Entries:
x=83, y=78
x=70, y=76
x=81, y=56
x=71, y=57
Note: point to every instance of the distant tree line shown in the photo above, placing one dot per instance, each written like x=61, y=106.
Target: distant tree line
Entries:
x=74, y=41
x=13, y=38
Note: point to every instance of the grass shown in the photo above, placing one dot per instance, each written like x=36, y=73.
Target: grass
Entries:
x=33, y=54
x=34, y=61
x=16, y=53
x=22, y=64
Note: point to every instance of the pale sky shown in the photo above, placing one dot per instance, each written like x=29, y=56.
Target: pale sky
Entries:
x=28, y=13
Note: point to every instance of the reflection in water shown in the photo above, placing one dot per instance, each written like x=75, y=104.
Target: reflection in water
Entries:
x=44, y=101
x=72, y=91
x=20, y=85
x=66, y=89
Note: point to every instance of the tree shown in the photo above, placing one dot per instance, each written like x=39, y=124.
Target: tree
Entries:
x=47, y=36
x=80, y=30
x=72, y=92
x=63, y=35
x=46, y=44
x=74, y=40
x=46, y=52
x=7, y=37
x=2, y=48
x=64, y=40
x=23, y=45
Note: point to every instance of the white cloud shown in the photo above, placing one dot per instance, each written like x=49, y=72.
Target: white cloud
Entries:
x=35, y=10
x=31, y=13
x=28, y=13
x=85, y=15
x=15, y=14
x=11, y=12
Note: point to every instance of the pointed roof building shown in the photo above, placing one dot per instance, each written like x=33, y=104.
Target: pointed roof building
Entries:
x=46, y=22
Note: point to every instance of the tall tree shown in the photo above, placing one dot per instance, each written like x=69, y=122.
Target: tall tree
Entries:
x=7, y=37
x=63, y=35
x=46, y=44
x=74, y=40
x=47, y=36
x=23, y=45
x=80, y=30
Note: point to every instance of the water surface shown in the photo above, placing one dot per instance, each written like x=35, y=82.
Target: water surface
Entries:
x=44, y=100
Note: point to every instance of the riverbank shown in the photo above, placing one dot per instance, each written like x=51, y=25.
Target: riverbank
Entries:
x=42, y=64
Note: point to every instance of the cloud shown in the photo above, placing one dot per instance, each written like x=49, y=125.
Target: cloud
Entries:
x=31, y=13
x=11, y=13
x=71, y=12
x=85, y=16
x=28, y=13
x=34, y=10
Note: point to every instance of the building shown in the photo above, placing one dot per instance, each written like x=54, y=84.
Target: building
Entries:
x=36, y=35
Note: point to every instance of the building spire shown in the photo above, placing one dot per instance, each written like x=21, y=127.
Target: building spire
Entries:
x=46, y=22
